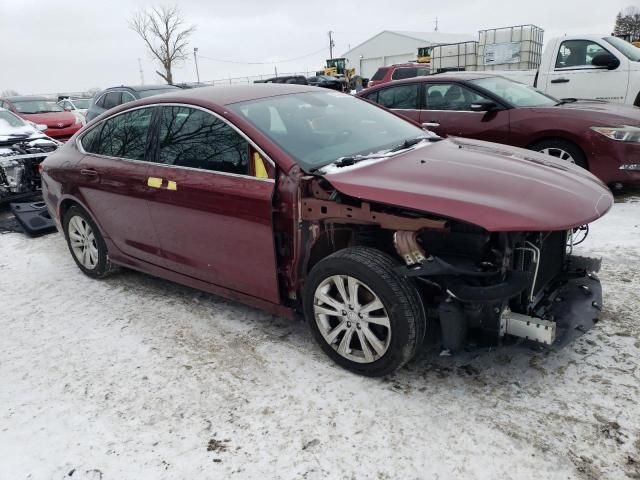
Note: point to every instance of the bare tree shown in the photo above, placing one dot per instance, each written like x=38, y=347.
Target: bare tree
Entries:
x=9, y=93
x=628, y=23
x=166, y=35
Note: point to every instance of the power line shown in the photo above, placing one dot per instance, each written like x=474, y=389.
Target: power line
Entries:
x=237, y=62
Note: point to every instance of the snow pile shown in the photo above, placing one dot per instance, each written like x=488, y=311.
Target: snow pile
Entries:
x=138, y=378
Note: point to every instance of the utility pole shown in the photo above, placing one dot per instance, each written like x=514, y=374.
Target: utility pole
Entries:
x=436, y=24
x=141, y=71
x=331, y=44
x=195, y=59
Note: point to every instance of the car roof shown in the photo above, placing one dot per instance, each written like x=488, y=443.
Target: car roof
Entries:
x=20, y=98
x=226, y=95
x=439, y=77
x=141, y=88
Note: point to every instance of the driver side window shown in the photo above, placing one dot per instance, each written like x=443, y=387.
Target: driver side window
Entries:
x=577, y=53
x=450, y=96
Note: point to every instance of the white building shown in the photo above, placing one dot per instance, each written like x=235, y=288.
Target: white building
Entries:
x=390, y=46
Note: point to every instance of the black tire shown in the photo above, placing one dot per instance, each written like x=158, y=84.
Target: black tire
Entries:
x=569, y=147
x=103, y=266
x=398, y=295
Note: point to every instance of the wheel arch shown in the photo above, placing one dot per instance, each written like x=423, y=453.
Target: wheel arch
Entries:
x=562, y=138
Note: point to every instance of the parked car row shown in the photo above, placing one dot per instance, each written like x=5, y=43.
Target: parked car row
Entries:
x=60, y=124
x=333, y=82
x=295, y=199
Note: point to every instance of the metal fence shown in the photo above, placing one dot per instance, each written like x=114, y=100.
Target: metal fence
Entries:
x=245, y=80
x=250, y=78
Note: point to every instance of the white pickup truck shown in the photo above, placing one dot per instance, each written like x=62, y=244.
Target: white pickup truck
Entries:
x=586, y=66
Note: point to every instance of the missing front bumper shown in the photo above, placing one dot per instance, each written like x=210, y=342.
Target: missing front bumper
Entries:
x=569, y=311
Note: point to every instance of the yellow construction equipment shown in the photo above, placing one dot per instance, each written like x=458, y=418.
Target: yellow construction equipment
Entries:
x=424, y=54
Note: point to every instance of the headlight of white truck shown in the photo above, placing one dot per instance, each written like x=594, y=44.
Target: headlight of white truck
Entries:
x=624, y=133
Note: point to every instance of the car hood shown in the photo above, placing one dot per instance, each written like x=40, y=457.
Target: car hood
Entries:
x=598, y=112
x=51, y=119
x=497, y=187
x=26, y=131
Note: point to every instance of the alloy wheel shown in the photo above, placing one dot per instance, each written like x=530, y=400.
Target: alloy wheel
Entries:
x=558, y=153
x=83, y=242
x=352, y=319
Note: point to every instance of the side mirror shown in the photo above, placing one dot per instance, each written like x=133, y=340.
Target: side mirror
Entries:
x=607, y=60
x=67, y=108
x=41, y=127
x=483, y=106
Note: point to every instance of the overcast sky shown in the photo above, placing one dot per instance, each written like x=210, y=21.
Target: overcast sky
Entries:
x=73, y=45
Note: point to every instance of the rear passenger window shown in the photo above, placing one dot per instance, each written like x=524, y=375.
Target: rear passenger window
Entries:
x=112, y=99
x=89, y=140
x=123, y=136
x=400, y=73
x=193, y=138
x=372, y=97
x=100, y=101
x=400, y=97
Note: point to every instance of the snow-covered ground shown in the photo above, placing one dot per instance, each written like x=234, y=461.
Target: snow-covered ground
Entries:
x=138, y=378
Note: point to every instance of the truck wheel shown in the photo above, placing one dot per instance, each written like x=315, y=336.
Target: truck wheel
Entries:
x=563, y=150
x=365, y=316
x=86, y=244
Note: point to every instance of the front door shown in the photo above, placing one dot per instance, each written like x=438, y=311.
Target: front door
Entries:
x=211, y=211
x=113, y=183
x=447, y=111
x=573, y=75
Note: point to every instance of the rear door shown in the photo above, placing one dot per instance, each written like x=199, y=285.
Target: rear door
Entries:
x=402, y=99
x=212, y=207
x=573, y=76
x=447, y=111
x=113, y=182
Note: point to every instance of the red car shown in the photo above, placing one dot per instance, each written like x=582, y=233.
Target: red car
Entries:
x=398, y=71
x=61, y=124
x=295, y=199
x=602, y=137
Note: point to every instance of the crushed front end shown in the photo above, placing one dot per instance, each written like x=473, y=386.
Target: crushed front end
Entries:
x=19, y=161
x=522, y=284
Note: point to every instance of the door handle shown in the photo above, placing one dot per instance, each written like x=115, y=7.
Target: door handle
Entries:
x=430, y=125
x=89, y=172
x=560, y=80
x=156, y=182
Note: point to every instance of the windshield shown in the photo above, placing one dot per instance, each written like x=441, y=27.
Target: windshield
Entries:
x=8, y=118
x=515, y=93
x=630, y=51
x=81, y=103
x=156, y=91
x=318, y=128
x=37, y=106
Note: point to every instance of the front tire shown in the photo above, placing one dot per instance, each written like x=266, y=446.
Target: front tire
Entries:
x=365, y=316
x=85, y=243
x=562, y=149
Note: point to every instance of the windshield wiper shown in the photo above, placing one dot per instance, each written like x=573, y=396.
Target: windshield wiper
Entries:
x=353, y=159
x=410, y=142
x=565, y=101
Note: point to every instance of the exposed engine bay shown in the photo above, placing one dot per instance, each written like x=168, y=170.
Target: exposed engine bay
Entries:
x=19, y=161
x=488, y=285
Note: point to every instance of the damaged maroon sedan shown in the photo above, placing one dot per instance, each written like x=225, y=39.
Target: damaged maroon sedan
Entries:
x=296, y=200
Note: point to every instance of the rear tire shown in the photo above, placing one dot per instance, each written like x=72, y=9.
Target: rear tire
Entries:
x=562, y=149
x=86, y=243
x=374, y=331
